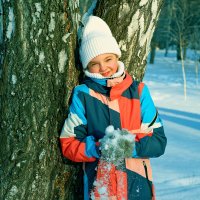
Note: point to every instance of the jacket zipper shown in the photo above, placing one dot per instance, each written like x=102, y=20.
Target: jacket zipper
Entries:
x=108, y=99
x=148, y=181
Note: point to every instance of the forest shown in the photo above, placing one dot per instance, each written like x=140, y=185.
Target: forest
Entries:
x=178, y=28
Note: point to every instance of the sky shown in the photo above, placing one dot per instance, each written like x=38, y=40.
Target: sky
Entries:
x=177, y=173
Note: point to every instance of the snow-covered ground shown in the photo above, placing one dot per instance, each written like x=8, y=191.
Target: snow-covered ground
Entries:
x=177, y=172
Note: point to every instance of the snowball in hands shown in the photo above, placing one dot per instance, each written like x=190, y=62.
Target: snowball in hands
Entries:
x=117, y=145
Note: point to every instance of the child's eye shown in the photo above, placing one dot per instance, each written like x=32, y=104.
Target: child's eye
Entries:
x=108, y=60
x=93, y=66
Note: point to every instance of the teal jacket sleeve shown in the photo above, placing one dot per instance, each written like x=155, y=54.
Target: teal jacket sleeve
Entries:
x=75, y=143
x=152, y=144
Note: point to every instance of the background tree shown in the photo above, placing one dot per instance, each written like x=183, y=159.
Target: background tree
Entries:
x=162, y=37
x=195, y=45
x=133, y=24
x=185, y=19
x=195, y=35
x=177, y=16
x=178, y=25
x=39, y=69
x=180, y=33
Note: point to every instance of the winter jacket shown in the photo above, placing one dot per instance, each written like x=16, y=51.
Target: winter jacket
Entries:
x=127, y=105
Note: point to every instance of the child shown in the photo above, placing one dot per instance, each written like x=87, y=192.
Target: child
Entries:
x=109, y=96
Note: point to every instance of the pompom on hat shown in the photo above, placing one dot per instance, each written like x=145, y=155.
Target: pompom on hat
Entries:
x=96, y=39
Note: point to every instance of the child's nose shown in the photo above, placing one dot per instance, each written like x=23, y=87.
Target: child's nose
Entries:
x=102, y=66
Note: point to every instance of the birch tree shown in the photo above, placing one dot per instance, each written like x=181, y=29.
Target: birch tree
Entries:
x=161, y=37
x=133, y=24
x=195, y=43
x=195, y=35
x=39, y=67
x=185, y=20
x=180, y=34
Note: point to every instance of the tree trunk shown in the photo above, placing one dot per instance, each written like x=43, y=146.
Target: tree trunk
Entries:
x=166, y=48
x=152, y=53
x=184, y=52
x=178, y=52
x=37, y=75
x=133, y=24
x=197, y=71
x=183, y=71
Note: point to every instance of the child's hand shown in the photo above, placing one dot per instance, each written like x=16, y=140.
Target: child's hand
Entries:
x=117, y=145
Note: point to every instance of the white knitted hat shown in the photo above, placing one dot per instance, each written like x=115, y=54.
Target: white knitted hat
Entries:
x=96, y=39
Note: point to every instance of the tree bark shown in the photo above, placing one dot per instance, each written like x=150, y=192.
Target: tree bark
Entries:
x=38, y=74
x=133, y=24
x=178, y=52
x=39, y=69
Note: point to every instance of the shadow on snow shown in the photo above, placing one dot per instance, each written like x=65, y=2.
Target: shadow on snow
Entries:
x=179, y=117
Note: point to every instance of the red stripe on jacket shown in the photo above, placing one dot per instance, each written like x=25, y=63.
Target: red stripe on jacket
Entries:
x=74, y=150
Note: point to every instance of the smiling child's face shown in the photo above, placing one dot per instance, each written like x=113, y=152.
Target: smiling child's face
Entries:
x=104, y=64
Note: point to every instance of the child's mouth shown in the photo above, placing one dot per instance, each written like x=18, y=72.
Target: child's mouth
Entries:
x=105, y=74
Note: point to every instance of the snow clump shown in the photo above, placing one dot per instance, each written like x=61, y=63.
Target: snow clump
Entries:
x=117, y=145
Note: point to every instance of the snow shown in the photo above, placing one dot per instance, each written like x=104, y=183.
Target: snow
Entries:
x=36, y=15
x=38, y=9
x=11, y=24
x=62, y=57
x=42, y=154
x=143, y=2
x=65, y=37
x=39, y=33
x=49, y=67
x=18, y=164
x=13, y=191
x=73, y=6
x=177, y=172
x=41, y=57
x=133, y=25
x=14, y=79
x=142, y=35
x=154, y=8
x=122, y=45
x=124, y=9
x=116, y=145
x=52, y=22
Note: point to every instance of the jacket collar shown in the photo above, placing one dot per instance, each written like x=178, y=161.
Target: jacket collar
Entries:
x=117, y=90
x=112, y=92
